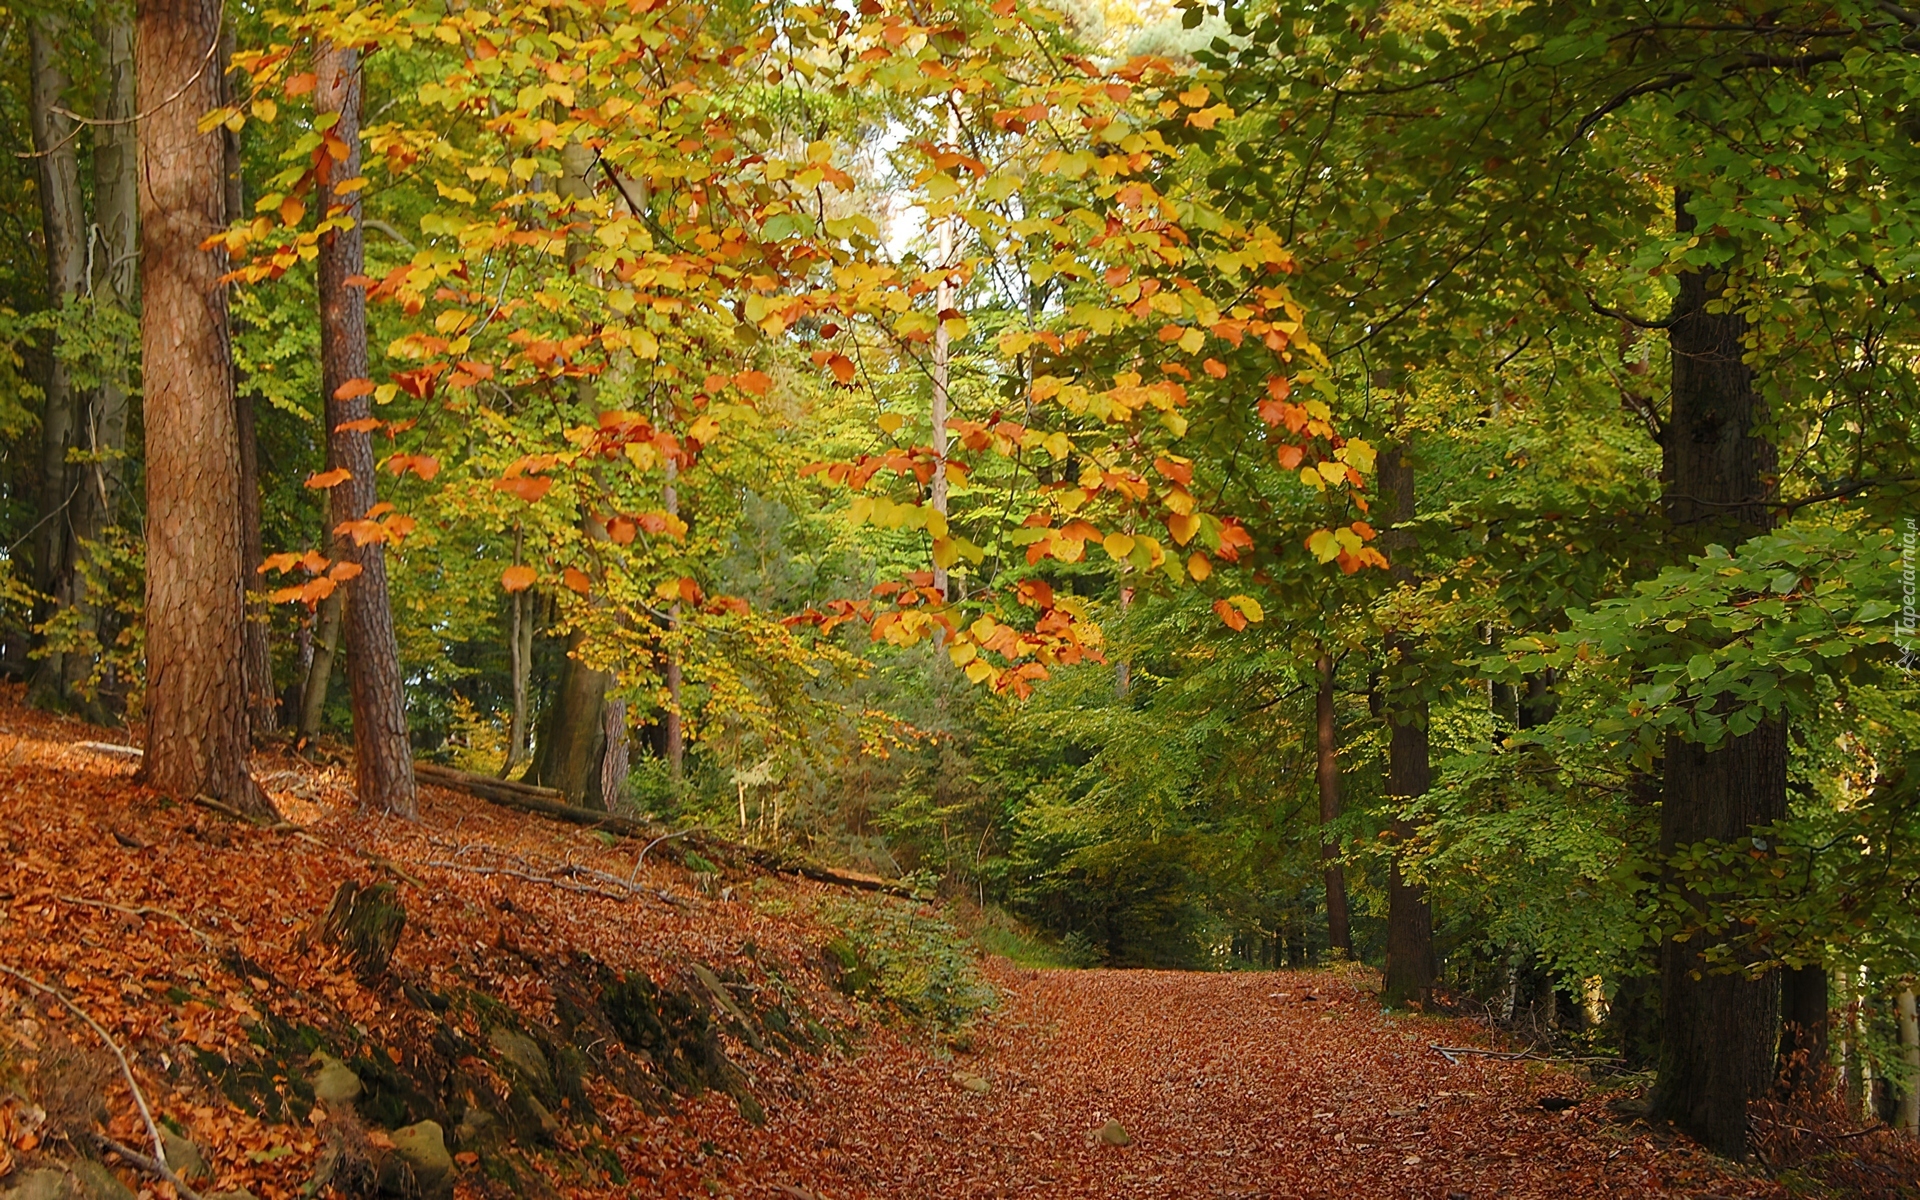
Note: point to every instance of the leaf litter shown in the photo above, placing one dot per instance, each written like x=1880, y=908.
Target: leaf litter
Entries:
x=188, y=937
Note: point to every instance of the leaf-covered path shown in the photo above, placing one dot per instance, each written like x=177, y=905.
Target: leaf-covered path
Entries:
x=1242, y=1085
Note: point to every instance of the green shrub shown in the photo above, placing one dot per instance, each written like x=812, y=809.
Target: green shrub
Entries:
x=908, y=958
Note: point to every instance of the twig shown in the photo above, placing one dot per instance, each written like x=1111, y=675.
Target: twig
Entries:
x=531, y=877
x=155, y=1167
x=665, y=837
x=140, y=910
x=126, y=1068
x=1449, y=1051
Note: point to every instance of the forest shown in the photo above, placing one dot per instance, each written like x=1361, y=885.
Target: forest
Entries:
x=1222, y=488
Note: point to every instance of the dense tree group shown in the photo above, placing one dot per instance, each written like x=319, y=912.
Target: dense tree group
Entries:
x=1426, y=483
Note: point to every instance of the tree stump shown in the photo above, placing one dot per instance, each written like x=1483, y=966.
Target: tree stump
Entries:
x=366, y=922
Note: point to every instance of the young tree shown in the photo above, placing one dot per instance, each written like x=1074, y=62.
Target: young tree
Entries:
x=383, y=756
x=196, y=703
x=1327, y=775
x=63, y=222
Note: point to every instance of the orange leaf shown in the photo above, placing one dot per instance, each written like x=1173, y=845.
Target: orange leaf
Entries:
x=343, y=571
x=291, y=210
x=299, y=85
x=362, y=532
x=327, y=479
x=1231, y=615
x=621, y=530
x=279, y=563
x=842, y=368
x=517, y=578
x=1215, y=368
x=353, y=388
x=577, y=580
x=528, y=487
x=1290, y=457
x=363, y=425
x=757, y=382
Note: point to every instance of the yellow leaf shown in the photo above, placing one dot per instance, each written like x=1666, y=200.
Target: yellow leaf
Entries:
x=1249, y=606
x=945, y=553
x=1333, y=472
x=1117, y=545
x=1323, y=545
x=1192, y=340
x=963, y=653
x=1183, y=526
x=1199, y=566
x=891, y=422
x=937, y=524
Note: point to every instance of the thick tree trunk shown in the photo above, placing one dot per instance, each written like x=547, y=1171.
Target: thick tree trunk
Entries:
x=383, y=758
x=1801, y=1067
x=1327, y=773
x=196, y=590
x=63, y=222
x=1720, y=1030
x=1411, y=964
x=573, y=739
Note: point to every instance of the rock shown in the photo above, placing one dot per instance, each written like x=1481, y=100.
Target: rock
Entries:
x=184, y=1157
x=1113, y=1133
x=524, y=1055
x=46, y=1183
x=335, y=1084
x=1558, y=1103
x=98, y=1183
x=478, y=1129
x=419, y=1165
x=976, y=1084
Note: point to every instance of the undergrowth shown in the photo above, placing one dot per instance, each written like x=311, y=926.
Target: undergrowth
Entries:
x=909, y=958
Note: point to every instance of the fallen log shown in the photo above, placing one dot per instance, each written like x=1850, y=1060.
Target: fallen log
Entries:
x=549, y=803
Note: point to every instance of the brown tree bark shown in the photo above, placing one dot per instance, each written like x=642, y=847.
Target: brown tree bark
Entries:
x=1327, y=773
x=573, y=739
x=63, y=224
x=383, y=757
x=520, y=623
x=1720, y=1031
x=196, y=591
x=1411, y=964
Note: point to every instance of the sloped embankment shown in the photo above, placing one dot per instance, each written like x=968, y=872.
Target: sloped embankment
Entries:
x=481, y=999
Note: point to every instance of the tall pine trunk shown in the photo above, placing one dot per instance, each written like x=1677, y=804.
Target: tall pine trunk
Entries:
x=1720, y=1029
x=63, y=224
x=196, y=589
x=1327, y=774
x=1411, y=965
x=383, y=758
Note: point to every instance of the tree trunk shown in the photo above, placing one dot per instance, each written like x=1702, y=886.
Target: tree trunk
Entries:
x=383, y=758
x=1801, y=1068
x=1720, y=1030
x=942, y=353
x=63, y=222
x=1411, y=966
x=1909, y=1118
x=671, y=723
x=263, y=707
x=615, y=760
x=573, y=736
x=101, y=484
x=326, y=644
x=196, y=590
x=1339, y=936
x=520, y=667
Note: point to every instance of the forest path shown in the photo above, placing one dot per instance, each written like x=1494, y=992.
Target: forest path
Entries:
x=1285, y=1084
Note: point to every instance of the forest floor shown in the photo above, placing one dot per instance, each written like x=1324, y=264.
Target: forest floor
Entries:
x=567, y=1019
